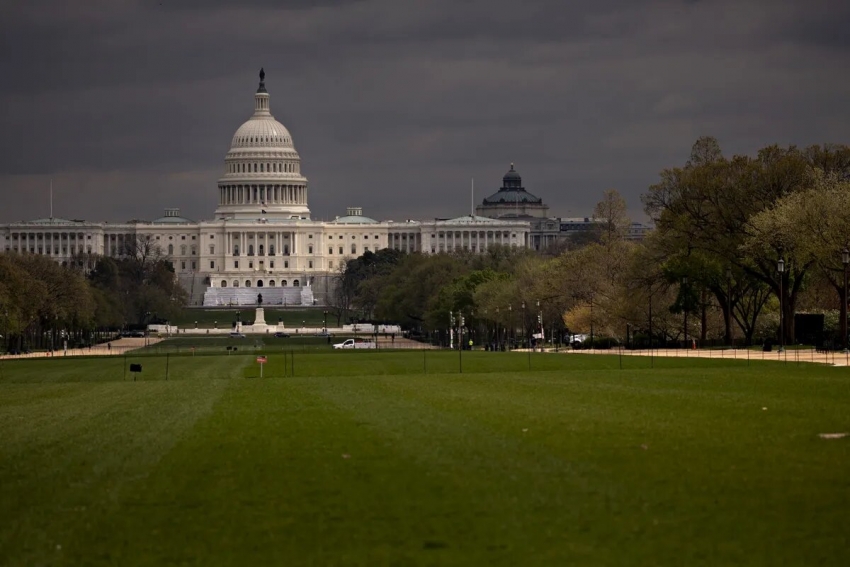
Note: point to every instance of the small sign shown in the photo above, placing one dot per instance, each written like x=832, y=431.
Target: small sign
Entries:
x=262, y=360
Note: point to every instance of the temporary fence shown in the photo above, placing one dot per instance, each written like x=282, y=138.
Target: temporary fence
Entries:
x=280, y=363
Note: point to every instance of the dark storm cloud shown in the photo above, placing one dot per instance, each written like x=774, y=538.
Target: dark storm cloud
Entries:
x=130, y=106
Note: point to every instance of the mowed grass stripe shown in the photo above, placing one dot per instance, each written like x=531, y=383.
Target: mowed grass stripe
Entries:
x=68, y=451
x=681, y=474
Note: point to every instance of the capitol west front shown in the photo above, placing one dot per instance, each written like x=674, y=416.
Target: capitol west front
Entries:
x=261, y=235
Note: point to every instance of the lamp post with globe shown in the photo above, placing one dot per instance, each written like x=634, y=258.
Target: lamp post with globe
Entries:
x=780, y=267
x=845, y=260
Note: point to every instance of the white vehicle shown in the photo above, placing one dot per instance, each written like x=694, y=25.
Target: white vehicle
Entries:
x=356, y=343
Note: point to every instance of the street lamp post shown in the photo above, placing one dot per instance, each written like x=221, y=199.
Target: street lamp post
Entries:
x=523, y=337
x=498, y=333
x=780, y=267
x=511, y=333
x=591, y=321
x=729, y=305
x=325, y=322
x=540, y=325
x=845, y=259
x=685, y=305
x=650, y=320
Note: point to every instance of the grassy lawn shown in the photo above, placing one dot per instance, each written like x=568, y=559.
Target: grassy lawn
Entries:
x=365, y=458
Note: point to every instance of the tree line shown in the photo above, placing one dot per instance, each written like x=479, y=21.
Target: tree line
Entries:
x=43, y=303
x=740, y=245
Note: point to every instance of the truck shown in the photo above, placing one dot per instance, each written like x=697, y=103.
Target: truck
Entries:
x=355, y=343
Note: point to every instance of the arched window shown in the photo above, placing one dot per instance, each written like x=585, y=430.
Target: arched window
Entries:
x=194, y=250
x=255, y=168
x=295, y=283
x=212, y=248
x=283, y=283
x=235, y=283
x=182, y=249
x=247, y=283
x=260, y=247
x=261, y=167
x=223, y=283
x=259, y=283
x=354, y=249
x=271, y=249
x=170, y=249
x=271, y=283
x=250, y=250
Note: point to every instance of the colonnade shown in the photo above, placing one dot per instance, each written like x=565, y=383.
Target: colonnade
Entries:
x=53, y=243
x=274, y=194
x=264, y=243
x=476, y=240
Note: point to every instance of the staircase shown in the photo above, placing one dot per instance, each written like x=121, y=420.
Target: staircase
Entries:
x=225, y=296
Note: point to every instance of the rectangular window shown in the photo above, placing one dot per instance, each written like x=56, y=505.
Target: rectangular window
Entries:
x=310, y=264
x=286, y=263
x=309, y=250
x=271, y=263
x=182, y=265
x=212, y=264
x=340, y=248
x=236, y=264
x=183, y=237
x=250, y=265
x=194, y=265
x=331, y=264
x=330, y=250
x=354, y=249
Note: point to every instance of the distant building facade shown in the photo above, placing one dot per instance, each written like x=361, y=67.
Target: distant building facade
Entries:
x=513, y=201
x=262, y=236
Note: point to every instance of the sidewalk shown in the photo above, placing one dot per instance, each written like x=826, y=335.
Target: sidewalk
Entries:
x=119, y=347
x=794, y=355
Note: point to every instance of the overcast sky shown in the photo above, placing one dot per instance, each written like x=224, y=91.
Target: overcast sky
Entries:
x=130, y=106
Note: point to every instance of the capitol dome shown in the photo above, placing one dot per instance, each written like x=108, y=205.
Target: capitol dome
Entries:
x=262, y=169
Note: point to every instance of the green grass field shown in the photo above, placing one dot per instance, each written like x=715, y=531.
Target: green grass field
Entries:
x=397, y=458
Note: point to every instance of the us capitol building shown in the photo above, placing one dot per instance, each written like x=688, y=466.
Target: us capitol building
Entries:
x=261, y=235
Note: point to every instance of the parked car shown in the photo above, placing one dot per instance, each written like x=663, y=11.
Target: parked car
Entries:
x=235, y=335
x=281, y=335
x=355, y=343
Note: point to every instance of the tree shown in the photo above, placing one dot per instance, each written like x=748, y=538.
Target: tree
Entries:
x=612, y=213
x=707, y=206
